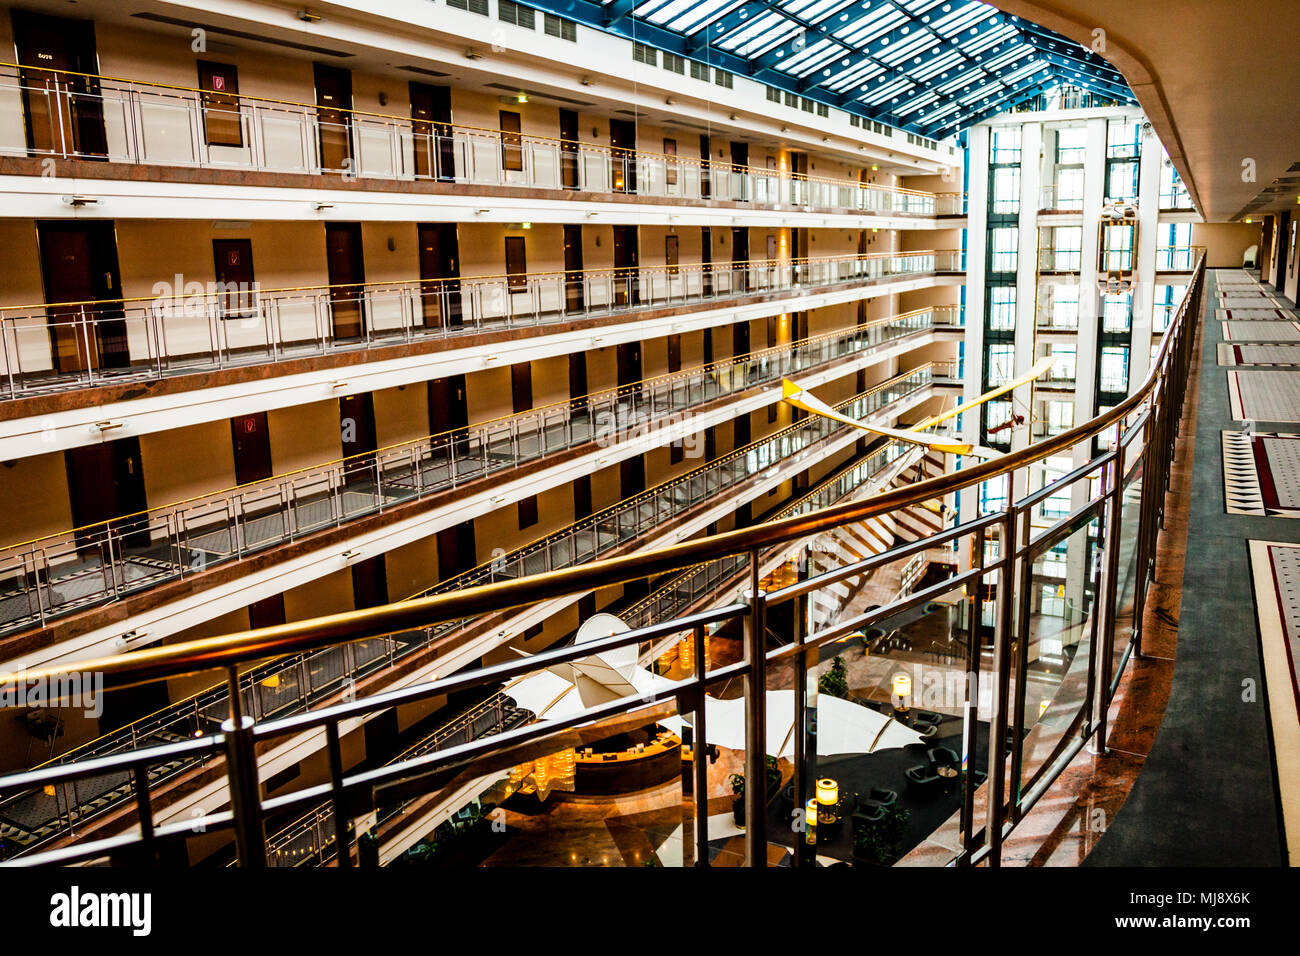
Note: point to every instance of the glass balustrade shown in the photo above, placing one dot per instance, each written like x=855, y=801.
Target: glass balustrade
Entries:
x=44, y=113
x=62, y=573
x=48, y=348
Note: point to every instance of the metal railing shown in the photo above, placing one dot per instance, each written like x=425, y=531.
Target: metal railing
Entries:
x=288, y=685
x=1118, y=513
x=70, y=115
x=62, y=346
x=71, y=570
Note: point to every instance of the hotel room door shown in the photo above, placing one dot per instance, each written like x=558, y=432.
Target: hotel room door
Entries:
x=334, y=119
x=440, y=297
x=61, y=104
x=357, y=437
x=79, y=266
x=252, y=444
x=105, y=485
x=574, y=297
x=434, y=147
x=347, y=275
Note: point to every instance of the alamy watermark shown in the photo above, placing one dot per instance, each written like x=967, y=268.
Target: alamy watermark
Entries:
x=77, y=689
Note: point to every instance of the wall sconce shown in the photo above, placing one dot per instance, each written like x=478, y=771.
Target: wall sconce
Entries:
x=309, y=16
x=392, y=244
x=76, y=201
x=322, y=206
x=473, y=55
x=107, y=426
x=383, y=98
x=585, y=81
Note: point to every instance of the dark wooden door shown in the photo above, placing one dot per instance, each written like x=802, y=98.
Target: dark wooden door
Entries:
x=622, y=155
x=627, y=280
x=357, y=436
x=79, y=267
x=434, y=146
x=740, y=258
x=106, y=487
x=569, y=149
x=739, y=168
x=521, y=386
x=574, y=297
x=448, y=412
x=578, y=382
x=706, y=258
x=267, y=612
x=706, y=148
x=440, y=295
x=62, y=106
x=347, y=275
x=369, y=583
x=457, y=551
x=334, y=118
x=233, y=260
x=252, y=444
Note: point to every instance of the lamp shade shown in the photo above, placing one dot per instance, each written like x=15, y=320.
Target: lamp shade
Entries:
x=828, y=792
x=902, y=684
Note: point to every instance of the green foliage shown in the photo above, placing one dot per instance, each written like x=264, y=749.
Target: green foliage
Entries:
x=878, y=841
x=835, y=682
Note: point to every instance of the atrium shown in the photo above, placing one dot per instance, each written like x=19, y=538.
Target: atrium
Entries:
x=468, y=434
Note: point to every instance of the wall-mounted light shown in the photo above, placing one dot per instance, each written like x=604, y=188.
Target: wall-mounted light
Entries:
x=585, y=81
x=472, y=54
x=107, y=426
x=309, y=16
x=80, y=201
x=130, y=638
x=521, y=98
x=322, y=206
x=350, y=555
x=669, y=101
x=338, y=385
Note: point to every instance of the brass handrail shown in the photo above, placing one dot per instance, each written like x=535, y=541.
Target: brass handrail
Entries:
x=230, y=650
x=508, y=138
x=450, y=434
x=570, y=275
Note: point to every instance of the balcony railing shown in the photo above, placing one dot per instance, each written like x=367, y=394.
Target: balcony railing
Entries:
x=1059, y=260
x=72, y=570
x=1118, y=498
x=83, y=116
x=1056, y=198
x=1177, y=258
x=288, y=685
x=68, y=345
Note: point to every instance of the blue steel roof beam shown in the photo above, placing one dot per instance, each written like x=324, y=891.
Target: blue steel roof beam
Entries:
x=975, y=76
x=1072, y=72
x=1022, y=90
x=1075, y=53
x=617, y=10
x=878, y=45
x=1114, y=82
x=927, y=27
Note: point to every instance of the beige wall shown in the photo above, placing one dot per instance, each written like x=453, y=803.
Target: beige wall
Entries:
x=1225, y=242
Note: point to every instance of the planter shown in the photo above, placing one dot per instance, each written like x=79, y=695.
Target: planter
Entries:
x=738, y=811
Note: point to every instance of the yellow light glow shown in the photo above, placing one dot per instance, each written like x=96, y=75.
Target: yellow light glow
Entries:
x=902, y=685
x=828, y=792
x=273, y=681
x=522, y=98
x=1042, y=707
x=810, y=821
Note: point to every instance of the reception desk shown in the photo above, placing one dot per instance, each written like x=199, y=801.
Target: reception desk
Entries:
x=623, y=771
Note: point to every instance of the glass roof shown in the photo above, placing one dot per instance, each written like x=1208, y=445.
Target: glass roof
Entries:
x=931, y=67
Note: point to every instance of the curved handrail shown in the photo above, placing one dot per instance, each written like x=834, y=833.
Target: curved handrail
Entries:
x=230, y=650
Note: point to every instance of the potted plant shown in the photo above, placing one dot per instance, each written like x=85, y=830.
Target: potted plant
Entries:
x=835, y=682
x=877, y=843
x=737, y=782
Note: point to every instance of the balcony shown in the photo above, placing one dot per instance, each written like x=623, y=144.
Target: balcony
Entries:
x=1059, y=260
x=63, y=573
x=291, y=684
x=1177, y=258
x=1044, y=729
x=1060, y=199
x=46, y=112
x=69, y=346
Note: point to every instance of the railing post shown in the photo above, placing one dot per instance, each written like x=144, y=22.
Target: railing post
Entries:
x=1002, y=640
x=699, y=755
x=756, y=721
x=241, y=775
x=342, y=822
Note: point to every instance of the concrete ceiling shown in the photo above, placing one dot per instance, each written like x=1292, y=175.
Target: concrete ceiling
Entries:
x=1220, y=82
